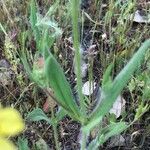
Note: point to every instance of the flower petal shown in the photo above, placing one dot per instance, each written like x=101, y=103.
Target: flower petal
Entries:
x=6, y=145
x=11, y=122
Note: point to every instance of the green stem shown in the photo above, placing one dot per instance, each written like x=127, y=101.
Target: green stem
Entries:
x=54, y=125
x=83, y=141
x=56, y=137
x=75, y=7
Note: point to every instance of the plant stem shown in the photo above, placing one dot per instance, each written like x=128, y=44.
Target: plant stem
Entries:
x=54, y=125
x=75, y=13
x=56, y=137
x=6, y=11
x=83, y=141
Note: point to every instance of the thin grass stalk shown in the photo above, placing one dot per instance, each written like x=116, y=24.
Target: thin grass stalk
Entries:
x=75, y=8
x=57, y=146
x=83, y=141
x=2, y=28
x=7, y=12
x=54, y=125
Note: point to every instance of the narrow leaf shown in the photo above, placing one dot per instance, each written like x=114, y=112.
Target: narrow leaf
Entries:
x=106, y=76
x=106, y=133
x=61, y=87
x=33, y=11
x=33, y=20
x=38, y=115
x=41, y=145
x=60, y=114
x=23, y=144
x=109, y=96
x=86, y=129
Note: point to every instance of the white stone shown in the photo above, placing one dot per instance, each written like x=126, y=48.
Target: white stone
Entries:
x=88, y=88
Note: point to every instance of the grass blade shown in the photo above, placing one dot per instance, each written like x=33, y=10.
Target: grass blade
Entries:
x=33, y=20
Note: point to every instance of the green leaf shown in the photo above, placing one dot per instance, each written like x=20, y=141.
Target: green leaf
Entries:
x=33, y=20
x=146, y=89
x=3, y=29
x=46, y=41
x=38, y=115
x=107, y=76
x=33, y=11
x=141, y=110
x=108, y=97
x=53, y=8
x=41, y=145
x=23, y=55
x=47, y=22
x=60, y=85
x=106, y=133
x=23, y=144
x=86, y=129
x=60, y=114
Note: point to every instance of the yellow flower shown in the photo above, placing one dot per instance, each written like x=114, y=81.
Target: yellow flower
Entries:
x=11, y=124
x=6, y=145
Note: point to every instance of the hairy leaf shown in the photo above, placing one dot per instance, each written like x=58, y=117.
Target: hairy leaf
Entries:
x=60, y=85
x=106, y=133
x=38, y=115
x=23, y=144
x=108, y=97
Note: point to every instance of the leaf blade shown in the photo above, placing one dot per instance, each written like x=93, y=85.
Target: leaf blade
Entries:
x=60, y=85
x=106, y=133
x=38, y=115
x=109, y=96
